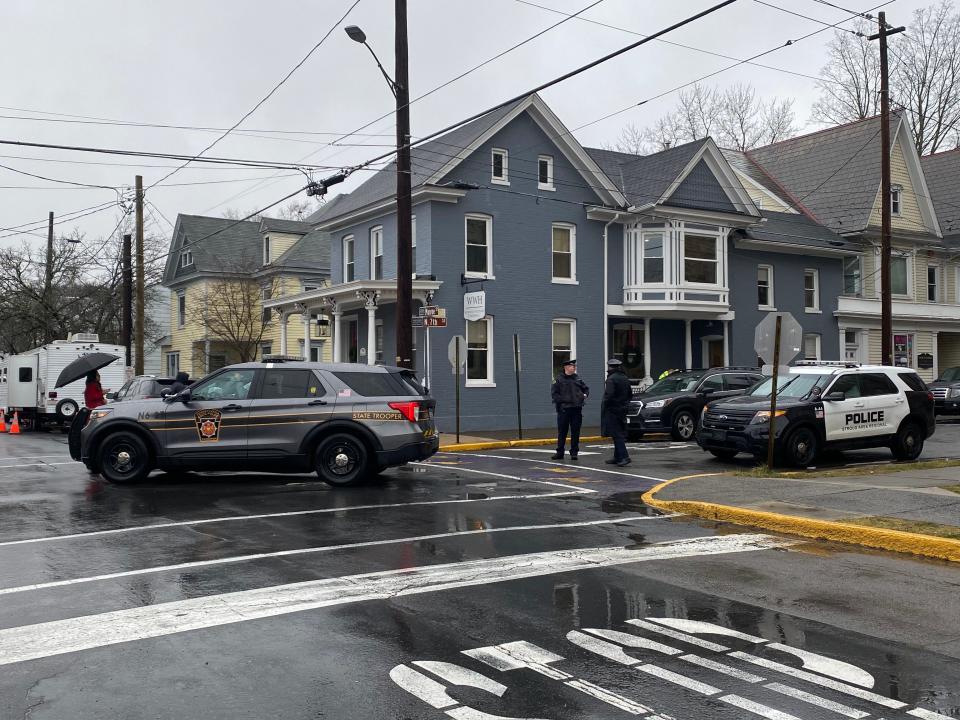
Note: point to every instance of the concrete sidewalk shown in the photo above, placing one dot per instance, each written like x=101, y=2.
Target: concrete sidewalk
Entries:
x=909, y=511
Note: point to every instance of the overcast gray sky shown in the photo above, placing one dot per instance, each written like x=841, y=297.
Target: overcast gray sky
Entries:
x=207, y=62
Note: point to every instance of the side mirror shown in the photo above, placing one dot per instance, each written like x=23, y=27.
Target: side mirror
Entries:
x=708, y=391
x=835, y=396
x=182, y=396
x=111, y=396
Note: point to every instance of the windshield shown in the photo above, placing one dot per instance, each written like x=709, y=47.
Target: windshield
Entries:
x=674, y=384
x=949, y=375
x=792, y=386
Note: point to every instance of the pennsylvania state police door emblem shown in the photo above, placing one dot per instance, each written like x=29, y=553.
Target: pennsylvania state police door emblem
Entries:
x=208, y=425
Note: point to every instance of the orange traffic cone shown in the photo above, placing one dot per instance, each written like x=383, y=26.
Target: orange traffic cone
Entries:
x=3, y=421
x=15, y=425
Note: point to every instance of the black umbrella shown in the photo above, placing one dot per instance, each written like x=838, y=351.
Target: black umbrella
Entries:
x=83, y=365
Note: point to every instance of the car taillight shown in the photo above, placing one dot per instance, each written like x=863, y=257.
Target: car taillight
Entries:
x=409, y=410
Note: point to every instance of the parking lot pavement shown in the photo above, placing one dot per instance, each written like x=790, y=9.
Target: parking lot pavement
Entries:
x=492, y=582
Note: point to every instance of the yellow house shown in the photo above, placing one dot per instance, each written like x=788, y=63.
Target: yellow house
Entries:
x=220, y=271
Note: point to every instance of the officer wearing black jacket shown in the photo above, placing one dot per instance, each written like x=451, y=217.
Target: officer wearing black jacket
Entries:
x=613, y=411
x=569, y=393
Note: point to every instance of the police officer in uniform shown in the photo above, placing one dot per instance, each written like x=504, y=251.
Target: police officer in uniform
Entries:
x=569, y=393
x=613, y=411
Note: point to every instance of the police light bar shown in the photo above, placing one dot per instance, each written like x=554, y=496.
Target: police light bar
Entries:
x=282, y=358
x=826, y=363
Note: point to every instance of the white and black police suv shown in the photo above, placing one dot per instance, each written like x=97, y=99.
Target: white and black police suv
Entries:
x=824, y=405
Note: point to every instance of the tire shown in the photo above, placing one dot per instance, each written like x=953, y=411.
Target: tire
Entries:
x=67, y=410
x=723, y=454
x=342, y=460
x=801, y=447
x=123, y=458
x=684, y=425
x=634, y=435
x=908, y=443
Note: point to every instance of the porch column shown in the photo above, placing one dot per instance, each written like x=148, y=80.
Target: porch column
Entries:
x=306, y=335
x=283, y=332
x=369, y=298
x=726, y=342
x=688, y=345
x=337, y=314
x=647, y=379
x=936, y=354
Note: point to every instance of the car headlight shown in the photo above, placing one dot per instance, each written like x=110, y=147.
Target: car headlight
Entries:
x=764, y=416
x=659, y=403
x=953, y=392
x=100, y=413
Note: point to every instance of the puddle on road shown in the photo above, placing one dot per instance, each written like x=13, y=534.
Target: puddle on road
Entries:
x=631, y=502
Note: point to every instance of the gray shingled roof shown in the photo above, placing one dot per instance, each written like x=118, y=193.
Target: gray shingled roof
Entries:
x=796, y=229
x=293, y=227
x=740, y=162
x=233, y=244
x=942, y=172
x=425, y=160
x=310, y=251
x=645, y=178
x=834, y=173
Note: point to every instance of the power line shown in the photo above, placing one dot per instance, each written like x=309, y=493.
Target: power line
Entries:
x=58, y=180
x=265, y=97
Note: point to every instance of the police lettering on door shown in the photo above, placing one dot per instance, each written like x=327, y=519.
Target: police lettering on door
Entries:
x=863, y=420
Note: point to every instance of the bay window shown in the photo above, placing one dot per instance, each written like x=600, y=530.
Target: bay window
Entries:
x=700, y=259
x=653, y=257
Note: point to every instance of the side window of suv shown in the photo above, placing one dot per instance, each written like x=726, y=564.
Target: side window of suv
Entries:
x=913, y=381
x=230, y=385
x=740, y=382
x=290, y=384
x=849, y=385
x=876, y=384
x=714, y=382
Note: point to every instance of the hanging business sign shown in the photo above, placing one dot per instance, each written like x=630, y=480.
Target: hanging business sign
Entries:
x=474, y=305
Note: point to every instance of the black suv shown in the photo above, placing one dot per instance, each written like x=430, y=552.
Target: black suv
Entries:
x=674, y=403
x=946, y=392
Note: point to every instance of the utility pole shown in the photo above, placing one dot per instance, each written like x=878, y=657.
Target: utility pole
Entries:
x=48, y=281
x=886, y=292
x=126, y=315
x=138, y=369
x=404, y=204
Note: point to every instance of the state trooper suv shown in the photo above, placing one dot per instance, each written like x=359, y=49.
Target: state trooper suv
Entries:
x=822, y=405
x=343, y=421
x=673, y=404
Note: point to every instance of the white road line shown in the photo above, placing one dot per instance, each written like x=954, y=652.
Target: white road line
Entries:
x=294, y=513
x=698, y=627
x=821, y=681
x=609, y=697
x=845, y=672
x=460, y=468
x=33, y=457
x=60, y=637
x=677, y=635
x=584, y=468
x=678, y=679
x=548, y=452
x=309, y=551
x=721, y=668
x=756, y=708
x=926, y=714
x=812, y=699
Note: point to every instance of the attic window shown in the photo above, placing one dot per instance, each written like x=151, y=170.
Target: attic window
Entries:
x=266, y=250
x=545, y=172
x=186, y=258
x=895, y=205
x=499, y=172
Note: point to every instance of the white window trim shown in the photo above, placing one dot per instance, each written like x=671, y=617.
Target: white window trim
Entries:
x=181, y=318
x=173, y=356
x=899, y=190
x=860, y=292
x=550, y=176
x=505, y=180
x=572, y=322
x=664, y=258
x=572, y=280
x=816, y=291
x=772, y=304
x=940, y=284
x=376, y=232
x=186, y=258
x=720, y=258
x=804, y=348
x=266, y=250
x=489, y=221
x=908, y=259
x=489, y=382
x=343, y=251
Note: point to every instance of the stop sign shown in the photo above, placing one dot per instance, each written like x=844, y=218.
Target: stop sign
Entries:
x=791, y=337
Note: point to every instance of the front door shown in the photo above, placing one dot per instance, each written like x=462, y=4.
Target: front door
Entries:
x=715, y=353
x=212, y=426
x=290, y=402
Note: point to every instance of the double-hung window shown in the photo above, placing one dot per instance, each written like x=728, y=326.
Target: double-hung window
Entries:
x=811, y=290
x=899, y=275
x=266, y=250
x=765, y=286
x=811, y=346
x=545, y=172
x=700, y=259
x=181, y=308
x=376, y=253
x=479, y=245
x=564, y=238
x=186, y=258
x=653, y=257
x=896, y=200
x=933, y=283
x=564, y=343
x=499, y=167
x=349, y=268
x=480, y=351
x=852, y=276
x=266, y=292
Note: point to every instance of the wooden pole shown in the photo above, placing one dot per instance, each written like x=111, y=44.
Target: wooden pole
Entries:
x=401, y=89
x=126, y=316
x=138, y=327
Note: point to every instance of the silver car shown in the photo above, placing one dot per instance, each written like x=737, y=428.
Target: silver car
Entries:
x=343, y=421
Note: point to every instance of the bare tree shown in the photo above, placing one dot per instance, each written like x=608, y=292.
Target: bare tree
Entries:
x=632, y=140
x=924, y=77
x=232, y=312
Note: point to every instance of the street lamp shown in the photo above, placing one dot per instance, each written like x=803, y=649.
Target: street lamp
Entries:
x=400, y=89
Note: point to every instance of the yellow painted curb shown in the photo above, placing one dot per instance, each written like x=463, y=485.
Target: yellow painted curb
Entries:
x=893, y=540
x=500, y=444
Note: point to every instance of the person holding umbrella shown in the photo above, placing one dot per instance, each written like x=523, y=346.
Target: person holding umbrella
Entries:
x=93, y=394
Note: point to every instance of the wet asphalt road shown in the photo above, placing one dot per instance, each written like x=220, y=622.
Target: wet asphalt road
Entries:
x=484, y=585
